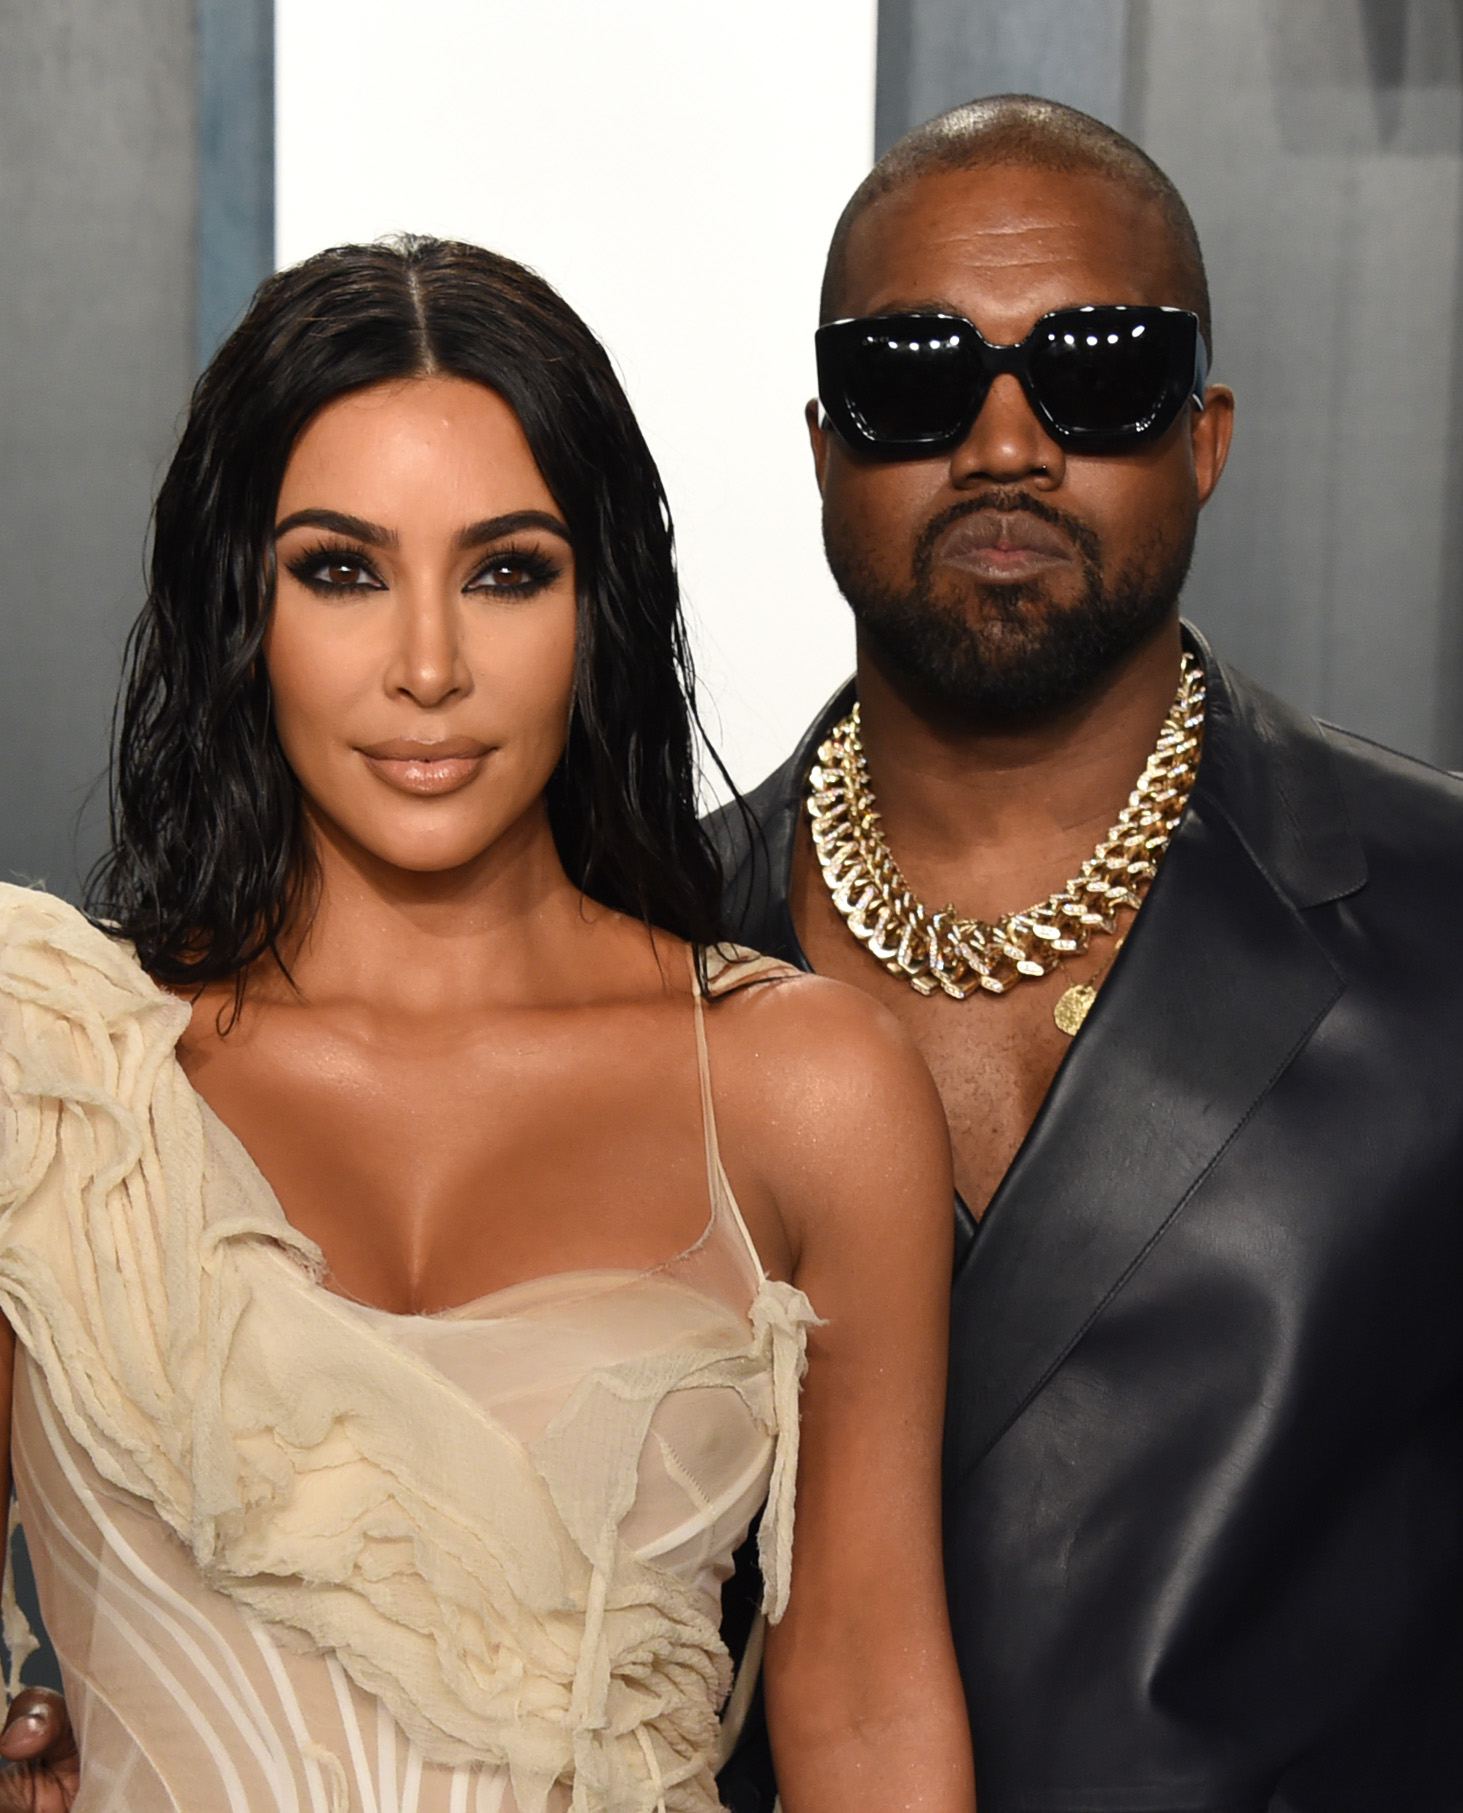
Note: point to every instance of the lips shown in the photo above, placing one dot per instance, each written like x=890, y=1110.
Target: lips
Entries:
x=426, y=768
x=1000, y=544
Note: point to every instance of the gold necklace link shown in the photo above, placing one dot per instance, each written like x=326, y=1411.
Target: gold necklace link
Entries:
x=948, y=951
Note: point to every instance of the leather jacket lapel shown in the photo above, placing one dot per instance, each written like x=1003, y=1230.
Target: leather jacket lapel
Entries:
x=1219, y=985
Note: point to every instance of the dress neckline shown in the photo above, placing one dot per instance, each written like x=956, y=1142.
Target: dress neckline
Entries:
x=722, y=1198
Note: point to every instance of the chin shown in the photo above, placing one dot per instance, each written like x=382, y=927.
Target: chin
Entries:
x=432, y=856
x=414, y=848
x=1006, y=612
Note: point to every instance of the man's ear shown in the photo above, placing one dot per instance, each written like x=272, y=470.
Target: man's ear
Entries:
x=1211, y=428
x=818, y=436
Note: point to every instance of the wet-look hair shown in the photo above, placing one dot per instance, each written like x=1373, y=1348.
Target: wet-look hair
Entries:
x=1029, y=132
x=210, y=861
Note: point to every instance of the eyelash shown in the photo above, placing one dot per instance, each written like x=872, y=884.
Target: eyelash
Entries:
x=538, y=569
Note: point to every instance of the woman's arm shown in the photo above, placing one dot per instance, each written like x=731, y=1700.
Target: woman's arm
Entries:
x=865, y=1706
x=36, y=1740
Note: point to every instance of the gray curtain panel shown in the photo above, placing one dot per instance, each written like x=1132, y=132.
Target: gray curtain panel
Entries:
x=136, y=215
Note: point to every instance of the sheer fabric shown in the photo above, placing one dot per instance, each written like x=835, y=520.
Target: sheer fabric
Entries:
x=296, y=1552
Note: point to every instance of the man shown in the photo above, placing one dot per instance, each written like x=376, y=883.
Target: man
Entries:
x=1204, y=1484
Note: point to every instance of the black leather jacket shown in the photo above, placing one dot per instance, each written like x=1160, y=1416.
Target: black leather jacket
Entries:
x=1204, y=1460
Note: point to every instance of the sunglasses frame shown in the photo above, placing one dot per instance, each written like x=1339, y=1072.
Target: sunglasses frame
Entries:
x=836, y=339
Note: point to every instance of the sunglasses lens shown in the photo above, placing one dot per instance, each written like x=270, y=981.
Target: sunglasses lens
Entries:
x=1109, y=373
x=1103, y=376
x=909, y=382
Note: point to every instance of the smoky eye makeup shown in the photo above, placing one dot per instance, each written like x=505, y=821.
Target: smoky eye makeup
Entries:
x=515, y=572
x=333, y=567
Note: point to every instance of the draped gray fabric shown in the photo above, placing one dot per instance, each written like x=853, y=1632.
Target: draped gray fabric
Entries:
x=1318, y=143
x=235, y=241
x=136, y=215
x=96, y=350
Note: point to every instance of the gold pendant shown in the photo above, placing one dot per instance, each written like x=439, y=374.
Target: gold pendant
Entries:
x=1073, y=1007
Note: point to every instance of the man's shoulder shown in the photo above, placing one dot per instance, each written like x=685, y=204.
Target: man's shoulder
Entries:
x=1380, y=783
x=753, y=838
x=1407, y=817
x=734, y=827
x=1324, y=810
x=771, y=807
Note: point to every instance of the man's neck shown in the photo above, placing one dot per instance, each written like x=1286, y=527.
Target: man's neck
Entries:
x=992, y=818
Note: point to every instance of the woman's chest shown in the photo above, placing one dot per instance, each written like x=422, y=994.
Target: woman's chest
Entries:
x=434, y=1171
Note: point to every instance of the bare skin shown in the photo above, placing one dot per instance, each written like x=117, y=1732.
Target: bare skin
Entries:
x=995, y=818
x=473, y=1075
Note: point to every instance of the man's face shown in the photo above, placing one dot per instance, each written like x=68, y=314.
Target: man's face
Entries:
x=1004, y=579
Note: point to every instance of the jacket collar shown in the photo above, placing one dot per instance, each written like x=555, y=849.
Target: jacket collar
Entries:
x=755, y=842
x=1268, y=770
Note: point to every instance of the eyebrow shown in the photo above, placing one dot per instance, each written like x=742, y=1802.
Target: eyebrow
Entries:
x=492, y=527
x=473, y=536
x=927, y=305
x=355, y=526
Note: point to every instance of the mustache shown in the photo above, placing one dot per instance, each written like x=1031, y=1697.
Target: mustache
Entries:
x=1007, y=501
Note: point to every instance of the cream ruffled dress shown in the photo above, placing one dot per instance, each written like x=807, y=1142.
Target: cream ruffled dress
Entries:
x=296, y=1553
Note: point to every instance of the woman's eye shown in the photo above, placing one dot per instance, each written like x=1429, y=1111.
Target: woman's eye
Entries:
x=342, y=574
x=334, y=572
x=516, y=573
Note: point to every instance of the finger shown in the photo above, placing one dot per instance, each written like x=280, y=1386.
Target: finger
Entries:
x=26, y=1789
x=27, y=1734
x=35, y=1724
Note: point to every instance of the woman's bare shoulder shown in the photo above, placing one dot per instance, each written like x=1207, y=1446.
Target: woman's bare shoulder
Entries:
x=812, y=1074
x=793, y=1018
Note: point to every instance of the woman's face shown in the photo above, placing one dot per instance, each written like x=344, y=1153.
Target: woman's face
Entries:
x=420, y=648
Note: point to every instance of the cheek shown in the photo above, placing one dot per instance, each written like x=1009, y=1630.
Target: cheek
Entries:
x=523, y=661
x=318, y=666
x=1139, y=502
x=875, y=512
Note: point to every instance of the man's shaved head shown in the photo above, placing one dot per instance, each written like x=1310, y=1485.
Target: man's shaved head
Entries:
x=1024, y=131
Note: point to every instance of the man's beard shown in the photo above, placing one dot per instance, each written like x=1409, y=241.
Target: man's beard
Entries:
x=1020, y=657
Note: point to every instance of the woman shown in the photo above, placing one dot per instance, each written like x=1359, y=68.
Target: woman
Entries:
x=411, y=1250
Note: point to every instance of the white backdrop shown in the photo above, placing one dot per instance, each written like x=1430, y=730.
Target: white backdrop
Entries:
x=675, y=168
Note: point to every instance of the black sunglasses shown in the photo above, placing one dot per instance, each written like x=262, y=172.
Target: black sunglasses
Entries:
x=1100, y=378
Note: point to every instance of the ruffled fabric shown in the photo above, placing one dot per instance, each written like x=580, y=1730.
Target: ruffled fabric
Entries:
x=478, y=1587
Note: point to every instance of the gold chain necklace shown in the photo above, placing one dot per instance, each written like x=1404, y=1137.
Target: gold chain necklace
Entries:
x=947, y=951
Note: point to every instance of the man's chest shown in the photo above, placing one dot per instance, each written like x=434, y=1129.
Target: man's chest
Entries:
x=993, y=1060
x=993, y=1057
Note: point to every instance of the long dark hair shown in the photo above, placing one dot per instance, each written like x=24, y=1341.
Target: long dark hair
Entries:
x=209, y=861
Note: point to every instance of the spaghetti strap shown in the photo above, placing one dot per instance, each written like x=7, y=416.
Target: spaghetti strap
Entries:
x=717, y=1184
x=780, y=1312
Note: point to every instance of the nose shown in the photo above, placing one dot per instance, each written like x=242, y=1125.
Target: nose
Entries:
x=428, y=664
x=1007, y=443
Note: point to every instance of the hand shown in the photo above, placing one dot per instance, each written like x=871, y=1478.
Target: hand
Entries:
x=42, y=1771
